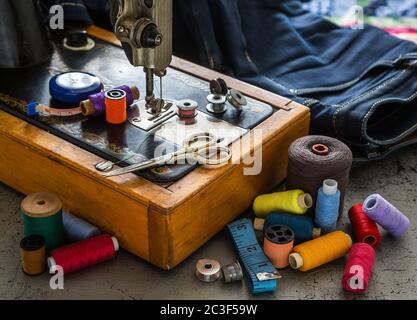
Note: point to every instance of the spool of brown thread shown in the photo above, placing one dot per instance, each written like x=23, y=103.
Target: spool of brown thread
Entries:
x=313, y=159
x=33, y=255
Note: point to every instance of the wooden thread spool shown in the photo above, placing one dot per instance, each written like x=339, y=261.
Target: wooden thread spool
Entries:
x=33, y=255
x=42, y=215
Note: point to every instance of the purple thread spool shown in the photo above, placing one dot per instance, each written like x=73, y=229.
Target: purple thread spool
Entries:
x=385, y=214
x=96, y=106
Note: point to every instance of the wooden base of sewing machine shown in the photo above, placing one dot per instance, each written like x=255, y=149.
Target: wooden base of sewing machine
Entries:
x=161, y=224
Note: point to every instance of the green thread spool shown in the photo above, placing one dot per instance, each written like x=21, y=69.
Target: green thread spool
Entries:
x=42, y=214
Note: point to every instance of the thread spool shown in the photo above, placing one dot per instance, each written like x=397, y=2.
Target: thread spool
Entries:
x=312, y=159
x=358, y=268
x=83, y=254
x=42, y=215
x=293, y=201
x=386, y=215
x=319, y=251
x=77, y=229
x=33, y=255
x=278, y=244
x=95, y=104
x=302, y=226
x=327, y=207
x=115, y=100
x=364, y=229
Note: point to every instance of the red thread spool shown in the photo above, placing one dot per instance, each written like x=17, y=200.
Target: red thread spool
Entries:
x=358, y=269
x=364, y=229
x=116, y=104
x=85, y=253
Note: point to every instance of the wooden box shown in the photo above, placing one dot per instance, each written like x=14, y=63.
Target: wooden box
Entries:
x=162, y=225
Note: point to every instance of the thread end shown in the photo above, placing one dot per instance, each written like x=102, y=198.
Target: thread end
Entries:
x=51, y=263
x=295, y=260
x=349, y=239
x=330, y=187
x=316, y=232
x=87, y=108
x=305, y=201
x=135, y=92
x=258, y=224
x=115, y=244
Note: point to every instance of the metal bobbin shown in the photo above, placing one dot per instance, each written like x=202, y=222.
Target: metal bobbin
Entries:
x=207, y=270
x=232, y=272
x=236, y=99
x=217, y=103
x=187, y=111
x=218, y=86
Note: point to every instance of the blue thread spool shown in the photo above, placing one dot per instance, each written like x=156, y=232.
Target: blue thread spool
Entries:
x=77, y=229
x=302, y=226
x=73, y=87
x=327, y=207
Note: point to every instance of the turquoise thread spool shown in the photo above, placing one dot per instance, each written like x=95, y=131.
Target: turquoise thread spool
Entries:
x=42, y=215
x=302, y=226
x=327, y=207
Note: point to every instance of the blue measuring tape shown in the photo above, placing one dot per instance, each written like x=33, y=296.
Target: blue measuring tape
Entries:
x=260, y=270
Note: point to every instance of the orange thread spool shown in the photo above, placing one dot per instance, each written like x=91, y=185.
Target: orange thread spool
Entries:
x=278, y=244
x=116, y=104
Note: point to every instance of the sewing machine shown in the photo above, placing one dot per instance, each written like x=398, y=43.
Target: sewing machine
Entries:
x=162, y=214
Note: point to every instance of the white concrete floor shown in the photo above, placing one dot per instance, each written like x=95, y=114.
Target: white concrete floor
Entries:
x=128, y=277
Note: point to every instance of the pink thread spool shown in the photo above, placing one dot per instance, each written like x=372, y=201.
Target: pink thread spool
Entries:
x=358, y=269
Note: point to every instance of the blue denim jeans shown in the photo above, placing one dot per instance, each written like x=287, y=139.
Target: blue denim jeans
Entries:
x=359, y=84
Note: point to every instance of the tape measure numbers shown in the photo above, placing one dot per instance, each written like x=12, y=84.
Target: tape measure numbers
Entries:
x=261, y=272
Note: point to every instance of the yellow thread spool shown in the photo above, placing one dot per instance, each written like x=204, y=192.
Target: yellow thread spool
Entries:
x=316, y=252
x=33, y=255
x=292, y=201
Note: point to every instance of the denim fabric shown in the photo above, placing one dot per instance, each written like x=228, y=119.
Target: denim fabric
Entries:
x=392, y=8
x=360, y=84
x=333, y=8
x=379, y=8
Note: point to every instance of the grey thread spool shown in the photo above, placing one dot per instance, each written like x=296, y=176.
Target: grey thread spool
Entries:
x=232, y=272
x=77, y=229
x=313, y=159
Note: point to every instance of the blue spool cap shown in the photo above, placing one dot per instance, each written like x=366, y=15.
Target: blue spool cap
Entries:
x=74, y=87
x=31, y=109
